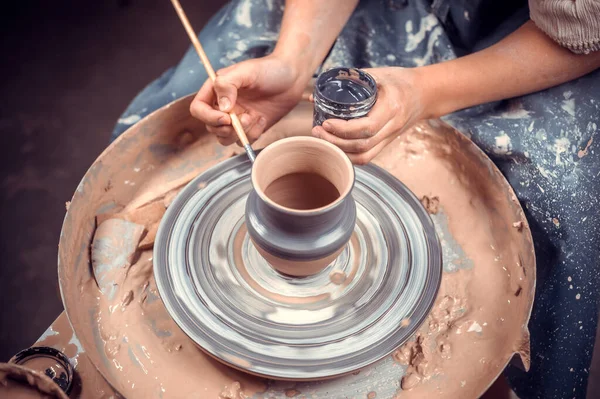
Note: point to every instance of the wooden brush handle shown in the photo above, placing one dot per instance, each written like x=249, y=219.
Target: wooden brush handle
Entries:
x=235, y=121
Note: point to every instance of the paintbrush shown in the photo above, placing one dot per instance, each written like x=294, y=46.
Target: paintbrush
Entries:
x=235, y=121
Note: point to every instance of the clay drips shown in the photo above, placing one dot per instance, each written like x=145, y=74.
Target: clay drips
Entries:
x=233, y=391
x=337, y=277
x=291, y=393
x=158, y=343
x=132, y=294
x=424, y=355
x=431, y=205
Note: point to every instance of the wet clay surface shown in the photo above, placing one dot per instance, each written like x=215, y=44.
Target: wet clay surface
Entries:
x=478, y=322
x=480, y=308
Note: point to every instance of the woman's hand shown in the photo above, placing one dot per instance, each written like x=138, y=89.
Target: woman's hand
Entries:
x=260, y=91
x=524, y=62
x=399, y=104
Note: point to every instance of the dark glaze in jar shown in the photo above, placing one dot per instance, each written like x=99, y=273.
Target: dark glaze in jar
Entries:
x=343, y=93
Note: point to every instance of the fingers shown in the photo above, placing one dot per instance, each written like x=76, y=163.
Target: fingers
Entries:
x=228, y=81
x=361, y=128
x=218, y=122
x=258, y=128
x=363, y=138
x=253, y=127
x=349, y=146
x=215, y=100
x=225, y=134
x=202, y=109
x=360, y=151
x=366, y=157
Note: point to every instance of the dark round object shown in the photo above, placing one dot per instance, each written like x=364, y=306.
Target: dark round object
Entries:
x=343, y=93
x=58, y=367
x=228, y=300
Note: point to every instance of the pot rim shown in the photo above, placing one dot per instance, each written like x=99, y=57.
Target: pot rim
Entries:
x=303, y=212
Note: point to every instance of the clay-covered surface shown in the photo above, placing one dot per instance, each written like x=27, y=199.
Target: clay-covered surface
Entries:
x=478, y=322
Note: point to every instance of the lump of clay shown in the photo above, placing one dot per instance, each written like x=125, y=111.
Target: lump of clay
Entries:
x=113, y=247
x=232, y=391
x=431, y=204
x=148, y=215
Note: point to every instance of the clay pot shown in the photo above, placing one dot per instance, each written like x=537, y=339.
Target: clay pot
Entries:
x=301, y=213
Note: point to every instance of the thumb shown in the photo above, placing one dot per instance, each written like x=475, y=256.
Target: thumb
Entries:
x=229, y=81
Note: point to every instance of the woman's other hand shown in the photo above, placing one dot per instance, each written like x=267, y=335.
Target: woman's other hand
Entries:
x=399, y=104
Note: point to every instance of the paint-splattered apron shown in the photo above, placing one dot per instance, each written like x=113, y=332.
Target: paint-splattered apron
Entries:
x=544, y=143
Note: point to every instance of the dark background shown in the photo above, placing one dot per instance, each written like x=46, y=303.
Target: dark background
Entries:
x=67, y=71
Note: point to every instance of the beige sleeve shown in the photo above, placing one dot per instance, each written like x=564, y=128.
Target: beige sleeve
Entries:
x=574, y=24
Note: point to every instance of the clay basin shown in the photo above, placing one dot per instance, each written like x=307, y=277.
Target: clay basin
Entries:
x=476, y=211
x=301, y=212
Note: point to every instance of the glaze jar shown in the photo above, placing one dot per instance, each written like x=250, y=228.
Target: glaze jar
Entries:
x=343, y=93
x=48, y=361
x=300, y=213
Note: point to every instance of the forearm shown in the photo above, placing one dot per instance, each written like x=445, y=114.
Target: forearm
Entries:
x=524, y=62
x=309, y=29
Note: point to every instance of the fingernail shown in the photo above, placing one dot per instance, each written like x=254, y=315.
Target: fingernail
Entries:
x=224, y=104
x=327, y=126
x=245, y=119
x=222, y=120
x=262, y=121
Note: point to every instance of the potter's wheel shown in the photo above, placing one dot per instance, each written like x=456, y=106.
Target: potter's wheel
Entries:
x=489, y=266
x=228, y=299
